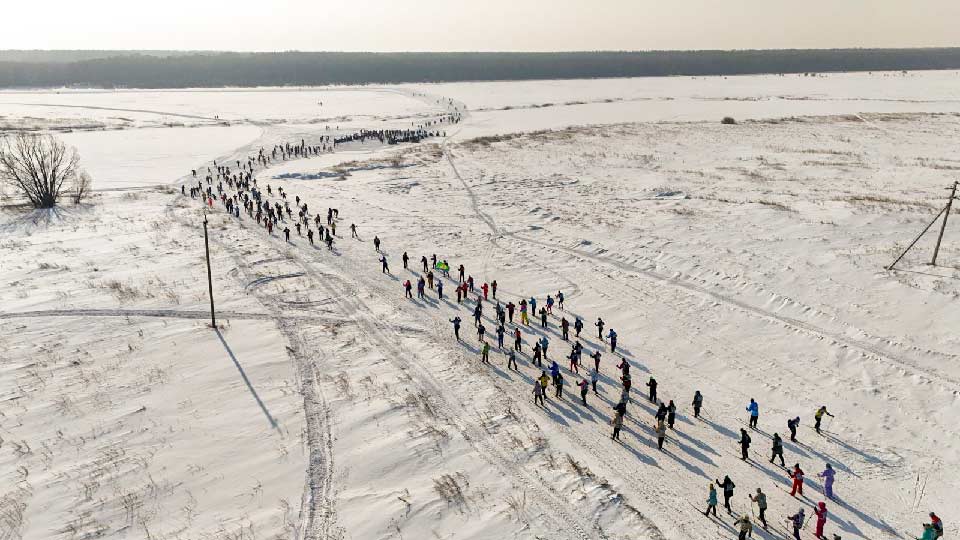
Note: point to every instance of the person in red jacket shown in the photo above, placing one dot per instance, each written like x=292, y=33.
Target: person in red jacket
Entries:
x=486, y=288
x=797, y=476
x=821, y=512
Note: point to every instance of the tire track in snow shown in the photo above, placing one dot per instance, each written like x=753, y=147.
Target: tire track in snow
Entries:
x=318, y=508
x=166, y=313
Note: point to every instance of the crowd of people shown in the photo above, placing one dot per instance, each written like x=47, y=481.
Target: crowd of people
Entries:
x=236, y=189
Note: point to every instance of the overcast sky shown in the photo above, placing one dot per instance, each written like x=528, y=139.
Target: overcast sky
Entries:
x=477, y=25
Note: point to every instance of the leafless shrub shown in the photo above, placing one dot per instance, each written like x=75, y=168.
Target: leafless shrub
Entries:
x=517, y=504
x=449, y=489
x=82, y=187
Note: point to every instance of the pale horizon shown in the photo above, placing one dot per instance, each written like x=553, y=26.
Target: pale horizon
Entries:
x=494, y=26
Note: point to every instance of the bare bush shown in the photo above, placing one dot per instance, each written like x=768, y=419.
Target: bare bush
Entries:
x=40, y=168
x=82, y=187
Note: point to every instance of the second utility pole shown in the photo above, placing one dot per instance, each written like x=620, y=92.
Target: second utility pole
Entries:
x=943, y=227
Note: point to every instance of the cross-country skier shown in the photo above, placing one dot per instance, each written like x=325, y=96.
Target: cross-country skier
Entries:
x=937, y=524
x=652, y=384
x=376, y=243
x=792, y=426
x=596, y=360
x=510, y=308
x=537, y=393
x=761, y=499
x=777, y=449
x=612, y=336
x=512, y=361
x=456, y=327
x=727, y=486
x=671, y=414
x=599, y=325
x=818, y=417
x=711, y=501
x=385, y=267
x=543, y=317
x=578, y=326
x=821, y=513
x=517, y=340
x=559, y=384
x=744, y=445
x=407, y=287
x=797, y=476
x=661, y=430
x=405, y=258
x=485, y=352
x=745, y=527
x=584, y=388
x=544, y=381
x=929, y=533
x=560, y=299
x=594, y=377
x=617, y=423
x=481, y=331
x=697, y=403
x=754, y=409
x=797, y=522
x=827, y=476
x=565, y=328
x=500, y=332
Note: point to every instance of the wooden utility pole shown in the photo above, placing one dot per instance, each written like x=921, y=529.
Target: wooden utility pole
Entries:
x=206, y=243
x=943, y=227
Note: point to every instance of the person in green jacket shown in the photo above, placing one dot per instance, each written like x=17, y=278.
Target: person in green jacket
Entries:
x=929, y=533
x=761, y=499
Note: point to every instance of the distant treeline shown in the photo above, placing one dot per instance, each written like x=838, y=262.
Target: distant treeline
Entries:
x=204, y=69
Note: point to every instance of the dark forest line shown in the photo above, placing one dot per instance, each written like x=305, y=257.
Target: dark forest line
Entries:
x=126, y=69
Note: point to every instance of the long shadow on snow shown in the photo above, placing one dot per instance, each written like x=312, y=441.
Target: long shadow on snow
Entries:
x=246, y=380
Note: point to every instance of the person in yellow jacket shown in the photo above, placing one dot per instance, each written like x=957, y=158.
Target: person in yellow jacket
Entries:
x=544, y=382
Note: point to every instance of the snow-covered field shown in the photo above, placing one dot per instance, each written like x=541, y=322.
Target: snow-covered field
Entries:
x=744, y=261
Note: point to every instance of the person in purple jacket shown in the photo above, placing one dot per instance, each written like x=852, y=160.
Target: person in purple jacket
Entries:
x=827, y=476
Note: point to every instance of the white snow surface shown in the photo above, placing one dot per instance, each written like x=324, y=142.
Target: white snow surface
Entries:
x=744, y=261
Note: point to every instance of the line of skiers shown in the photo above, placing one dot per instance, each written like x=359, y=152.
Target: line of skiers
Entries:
x=248, y=195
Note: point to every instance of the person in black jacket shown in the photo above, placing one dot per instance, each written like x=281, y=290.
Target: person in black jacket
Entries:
x=744, y=444
x=727, y=486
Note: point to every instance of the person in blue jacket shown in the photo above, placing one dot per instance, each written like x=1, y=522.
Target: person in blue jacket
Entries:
x=612, y=336
x=754, y=409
